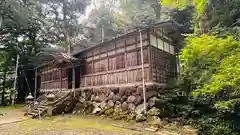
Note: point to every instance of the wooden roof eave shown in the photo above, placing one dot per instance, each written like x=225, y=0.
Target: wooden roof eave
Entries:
x=58, y=63
x=174, y=33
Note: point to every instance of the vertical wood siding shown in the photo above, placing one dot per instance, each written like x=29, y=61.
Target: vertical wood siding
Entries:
x=163, y=59
x=118, y=62
x=51, y=78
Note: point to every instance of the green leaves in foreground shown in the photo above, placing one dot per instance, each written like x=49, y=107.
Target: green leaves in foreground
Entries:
x=212, y=65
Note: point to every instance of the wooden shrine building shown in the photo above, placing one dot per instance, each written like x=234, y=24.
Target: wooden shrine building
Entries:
x=118, y=62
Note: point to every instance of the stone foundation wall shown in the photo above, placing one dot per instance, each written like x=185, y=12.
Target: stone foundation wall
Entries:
x=116, y=102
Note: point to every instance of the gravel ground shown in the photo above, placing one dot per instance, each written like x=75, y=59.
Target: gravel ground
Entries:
x=65, y=126
x=15, y=129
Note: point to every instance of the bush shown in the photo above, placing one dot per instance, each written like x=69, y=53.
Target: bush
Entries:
x=209, y=84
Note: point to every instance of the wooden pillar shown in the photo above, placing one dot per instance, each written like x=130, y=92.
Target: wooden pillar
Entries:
x=80, y=68
x=60, y=79
x=15, y=81
x=143, y=79
x=73, y=79
x=48, y=76
x=126, y=66
x=92, y=70
x=35, y=89
x=150, y=56
x=107, y=67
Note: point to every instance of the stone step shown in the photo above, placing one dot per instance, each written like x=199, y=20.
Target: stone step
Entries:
x=36, y=111
x=42, y=107
x=29, y=115
x=33, y=113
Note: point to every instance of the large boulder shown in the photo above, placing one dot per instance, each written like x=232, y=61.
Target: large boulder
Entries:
x=115, y=90
x=110, y=96
x=124, y=106
x=150, y=94
x=130, y=91
x=96, y=110
x=140, y=109
x=139, y=100
x=118, y=105
x=79, y=106
x=131, y=107
x=82, y=99
x=110, y=104
x=124, y=98
x=103, y=105
x=139, y=91
x=97, y=99
x=156, y=122
x=152, y=101
x=131, y=99
x=122, y=91
x=95, y=104
x=154, y=112
x=102, y=98
x=116, y=98
x=140, y=118
x=92, y=98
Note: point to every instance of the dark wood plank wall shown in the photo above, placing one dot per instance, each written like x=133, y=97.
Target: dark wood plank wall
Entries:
x=163, y=59
x=53, y=78
x=163, y=66
x=118, y=62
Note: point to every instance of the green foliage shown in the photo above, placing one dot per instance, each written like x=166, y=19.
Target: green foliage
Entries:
x=184, y=17
x=181, y=4
x=218, y=60
x=210, y=72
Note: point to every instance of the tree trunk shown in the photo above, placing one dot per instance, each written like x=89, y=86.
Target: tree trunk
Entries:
x=4, y=85
x=66, y=34
x=157, y=8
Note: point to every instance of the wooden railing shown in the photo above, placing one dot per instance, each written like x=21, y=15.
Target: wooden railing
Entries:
x=42, y=100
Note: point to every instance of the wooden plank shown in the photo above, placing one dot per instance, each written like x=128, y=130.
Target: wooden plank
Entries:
x=120, y=43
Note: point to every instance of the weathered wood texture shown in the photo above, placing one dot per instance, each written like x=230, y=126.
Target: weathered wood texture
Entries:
x=163, y=58
x=163, y=66
x=118, y=62
x=53, y=78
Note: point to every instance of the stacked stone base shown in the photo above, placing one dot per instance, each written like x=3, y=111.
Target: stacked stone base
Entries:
x=117, y=103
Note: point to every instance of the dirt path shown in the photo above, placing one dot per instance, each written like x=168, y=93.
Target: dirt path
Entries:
x=73, y=125
x=66, y=126
x=11, y=115
x=13, y=122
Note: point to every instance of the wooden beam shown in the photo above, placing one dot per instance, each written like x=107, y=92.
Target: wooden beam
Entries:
x=61, y=79
x=149, y=57
x=35, y=89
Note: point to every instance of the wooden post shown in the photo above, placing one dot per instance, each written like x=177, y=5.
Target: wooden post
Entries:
x=143, y=78
x=103, y=33
x=35, y=89
x=15, y=81
x=150, y=57
x=61, y=79
x=73, y=80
